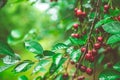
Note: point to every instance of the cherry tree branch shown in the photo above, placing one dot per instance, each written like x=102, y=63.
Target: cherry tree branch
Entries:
x=89, y=36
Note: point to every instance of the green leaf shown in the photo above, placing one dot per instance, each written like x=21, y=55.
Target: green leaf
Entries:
x=114, y=12
x=56, y=72
x=104, y=21
x=113, y=39
x=23, y=77
x=23, y=66
x=4, y=67
x=112, y=27
x=59, y=77
x=6, y=49
x=11, y=60
x=57, y=58
x=117, y=66
x=75, y=55
x=59, y=46
x=33, y=47
x=38, y=78
x=109, y=75
x=62, y=61
x=41, y=66
x=46, y=54
x=101, y=58
x=57, y=62
x=76, y=41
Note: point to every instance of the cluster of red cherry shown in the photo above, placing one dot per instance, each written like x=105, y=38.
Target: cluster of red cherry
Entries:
x=76, y=35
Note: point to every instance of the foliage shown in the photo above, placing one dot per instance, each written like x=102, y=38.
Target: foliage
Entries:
x=91, y=39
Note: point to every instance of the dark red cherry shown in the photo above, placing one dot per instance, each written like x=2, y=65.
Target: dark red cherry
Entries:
x=89, y=71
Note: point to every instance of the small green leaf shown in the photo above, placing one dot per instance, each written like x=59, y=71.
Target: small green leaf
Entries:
x=55, y=66
x=117, y=66
x=23, y=77
x=6, y=49
x=23, y=66
x=46, y=54
x=109, y=75
x=75, y=55
x=56, y=72
x=59, y=46
x=15, y=34
x=76, y=41
x=59, y=77
x=4, y=67
x=11, y=60
x=104, y=21
x=33, y=47
x=41, y=66
x=112, y=27
x=113, y=39
x=101, y=58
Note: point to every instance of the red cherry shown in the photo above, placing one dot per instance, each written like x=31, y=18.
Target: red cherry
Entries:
x=84, y=14
x=76, y=26
x=118, y=18
x=97, y=45
x=65, y=75
x=89, y=52
x=109, y=65
x=108, y=49
x=79, y=12
x=80, y=78
x=106, y=7
x=75, y=35
x=100, y=39
x=83, y=49
x=89, y=71
x=83, y=68
x=88, y=56
x=92, y=59
x=94, y=52
x=72, y=62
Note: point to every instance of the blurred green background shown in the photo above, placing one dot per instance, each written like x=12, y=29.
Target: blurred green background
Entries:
x=40, y=20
